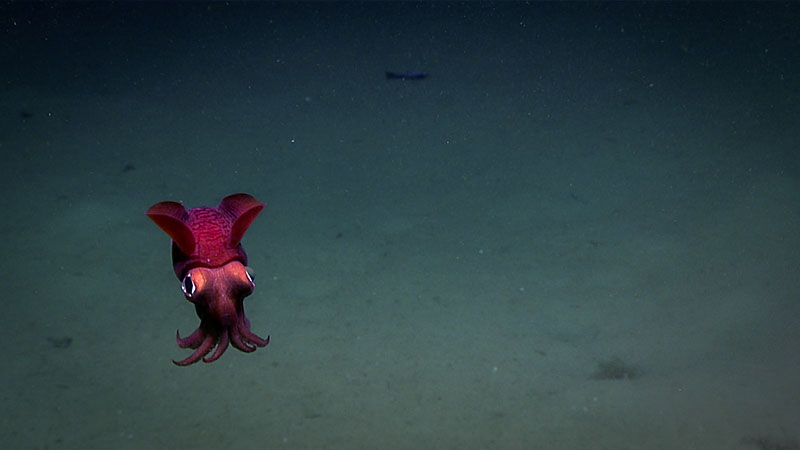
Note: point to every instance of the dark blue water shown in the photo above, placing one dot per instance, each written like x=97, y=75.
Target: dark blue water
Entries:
x=580, y=230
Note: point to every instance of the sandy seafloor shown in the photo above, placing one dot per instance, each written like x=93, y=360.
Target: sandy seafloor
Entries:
x=579, y=232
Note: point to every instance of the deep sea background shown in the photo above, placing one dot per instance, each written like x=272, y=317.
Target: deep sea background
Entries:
x=579, y=232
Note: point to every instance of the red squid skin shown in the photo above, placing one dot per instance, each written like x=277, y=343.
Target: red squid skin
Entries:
x=208, y=258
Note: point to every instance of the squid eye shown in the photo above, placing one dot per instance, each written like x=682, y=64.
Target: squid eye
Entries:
x=188, y=286
x=250, y=275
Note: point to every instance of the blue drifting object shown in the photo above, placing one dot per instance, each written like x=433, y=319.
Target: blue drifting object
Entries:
x=409, y=75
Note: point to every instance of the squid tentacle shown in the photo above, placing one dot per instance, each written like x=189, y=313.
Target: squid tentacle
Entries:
x=221, y=347
x=192, y=341
x=202, y=350
x=239, y=343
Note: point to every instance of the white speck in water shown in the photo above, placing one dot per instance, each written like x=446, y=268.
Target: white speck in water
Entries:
x=522, y=289
x=494, y=369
